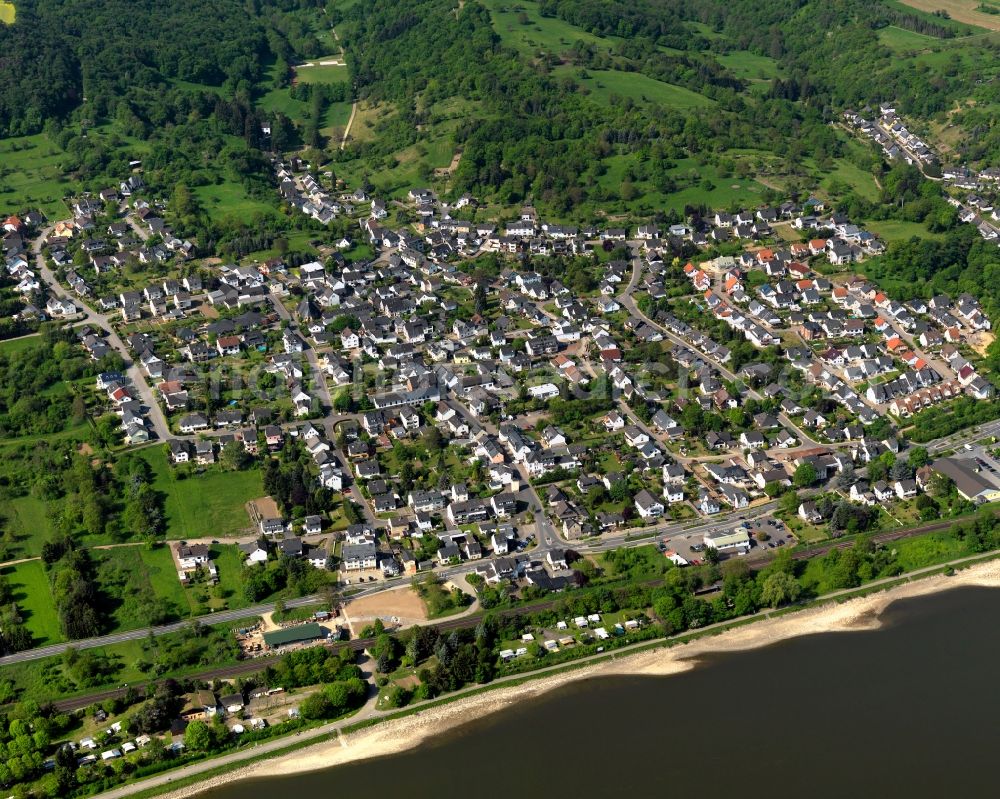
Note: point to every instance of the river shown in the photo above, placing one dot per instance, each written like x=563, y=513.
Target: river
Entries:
x=910, y=710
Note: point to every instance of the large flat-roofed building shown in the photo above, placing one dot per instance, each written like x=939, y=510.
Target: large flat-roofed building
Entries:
x=971, y=484
x=300, y=634
x=726, y=541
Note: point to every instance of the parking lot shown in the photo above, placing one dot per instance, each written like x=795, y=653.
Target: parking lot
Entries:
x=765, y=532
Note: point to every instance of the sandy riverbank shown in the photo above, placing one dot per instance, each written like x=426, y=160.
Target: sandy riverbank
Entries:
x=396, y=736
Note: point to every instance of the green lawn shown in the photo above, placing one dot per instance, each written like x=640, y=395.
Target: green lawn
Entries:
x=229, y=562
x=322, y=74
x=231, y=200
x=719, y=192
x=298, y=241
x=47, y=678
x=31, y=176
x=899, y=39
x=914, y=553
x=547, y=34
x=139, y=572
x=197, y=87
x=30, y=585
x=896, y=230
x=859, y=180
x=27, y=519
x=152, y=573
x=281, y=100
x=12, y=346
x=604, y=83
x=206, y=505
x=335, y=120
x=749, y=66
x=158, y=565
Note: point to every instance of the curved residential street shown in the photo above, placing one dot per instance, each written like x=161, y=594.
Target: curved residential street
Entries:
x=92, y=317
x=626, y=299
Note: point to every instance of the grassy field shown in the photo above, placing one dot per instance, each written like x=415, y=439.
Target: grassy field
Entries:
x=327, y=73
x=859, y=180
x=206, y=505
x=901, y=40
x=913, y=553
x=298, y=241
x=413, y=165
x=697, y=183
x=14, y=345
x=31, y=175
x=541, y=34
x=27, y=520
x=230, y=200
x=148, y=573
x=749, y=66
x=335, y=120
x=281, y=101
x=30, y=585
x=605, y=83
x=229, y=562
x=197, y=87
x=47, y=679
x=895, y=230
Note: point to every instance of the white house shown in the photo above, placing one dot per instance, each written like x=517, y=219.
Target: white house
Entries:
x=649, y=507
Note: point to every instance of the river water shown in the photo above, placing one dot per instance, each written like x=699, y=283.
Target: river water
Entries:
x=912, y=710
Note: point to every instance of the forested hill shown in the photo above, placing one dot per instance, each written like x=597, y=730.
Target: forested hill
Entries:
x=59, y=50
x=533, y=129
x=829, y=48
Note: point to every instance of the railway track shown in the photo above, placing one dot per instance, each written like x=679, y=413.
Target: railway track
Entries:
x=359, y=644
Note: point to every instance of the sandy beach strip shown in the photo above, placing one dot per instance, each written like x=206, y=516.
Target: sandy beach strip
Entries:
x=398, y=735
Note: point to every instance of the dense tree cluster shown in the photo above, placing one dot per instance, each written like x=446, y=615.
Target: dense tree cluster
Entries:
x=74, y=590
x=29, y=403
x=289, y=481
x=116, y=50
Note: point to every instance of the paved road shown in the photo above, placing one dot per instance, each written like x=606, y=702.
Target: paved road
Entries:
x=548, y=537
x=319, y=378
x=669, y=532
x=219, y=617
x=369, y=711
x=626, y=299
x=92, y=317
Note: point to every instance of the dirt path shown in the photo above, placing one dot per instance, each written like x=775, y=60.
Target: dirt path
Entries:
x=449, y=170
x=350, y=122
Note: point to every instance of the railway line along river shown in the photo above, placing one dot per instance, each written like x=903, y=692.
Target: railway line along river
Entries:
x=909, y=709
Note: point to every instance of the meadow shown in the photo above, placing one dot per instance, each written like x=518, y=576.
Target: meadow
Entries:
x=902, y=40
x=12, y=346
x=605, y=83
x=31, y=176
x=322, y=73
x=27, y=525
x=890, y=230
x=29, y=584
x=230, y=200
x=205, y=505
x=750, y=66
x=538, y=33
